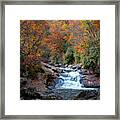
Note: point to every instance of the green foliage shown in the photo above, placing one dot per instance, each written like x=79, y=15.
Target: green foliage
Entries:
x=59, y=41
x=69, y=56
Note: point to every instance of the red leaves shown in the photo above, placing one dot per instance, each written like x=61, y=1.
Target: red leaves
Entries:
x=96, y=23
x=37, y=36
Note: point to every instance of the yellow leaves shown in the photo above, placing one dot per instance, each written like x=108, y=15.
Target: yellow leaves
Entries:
x=33, y=38
x=33, y=26
x=84, y=44
x=82, y=24
x=30, y=46
x=65, y=37
x=86, y=31
x=56, y=35
x=39, y=53
x=64, y=26
x=71, y=36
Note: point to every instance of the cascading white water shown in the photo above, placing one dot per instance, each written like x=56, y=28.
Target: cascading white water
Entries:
x=70, y=79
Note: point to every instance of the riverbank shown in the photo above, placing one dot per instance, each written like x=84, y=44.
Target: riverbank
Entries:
x=37, y=90
x=61, y=83
x=61, y=94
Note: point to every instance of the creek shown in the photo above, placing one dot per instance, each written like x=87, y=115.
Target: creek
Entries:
x=70, y=78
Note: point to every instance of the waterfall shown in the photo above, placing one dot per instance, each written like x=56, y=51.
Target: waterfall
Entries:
x=70, y=79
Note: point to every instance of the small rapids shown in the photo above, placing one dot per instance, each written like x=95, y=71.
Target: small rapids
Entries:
x=70, y=79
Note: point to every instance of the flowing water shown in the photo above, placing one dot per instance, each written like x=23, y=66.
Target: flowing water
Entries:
x=70, y=79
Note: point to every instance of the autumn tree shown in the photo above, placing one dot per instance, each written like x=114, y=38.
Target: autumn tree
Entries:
x=55, y=41
x=59, y=41
x=31, y=35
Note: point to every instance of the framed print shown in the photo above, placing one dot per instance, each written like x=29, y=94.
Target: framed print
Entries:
x=59, y=59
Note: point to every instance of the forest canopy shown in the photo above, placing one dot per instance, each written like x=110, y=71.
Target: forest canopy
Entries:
x=59, y=42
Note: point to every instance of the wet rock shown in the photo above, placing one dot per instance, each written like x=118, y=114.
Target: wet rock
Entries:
x=88, y=95
x=59, y=65
x=91, y=81
x=84, y=71
x=60, y=71
x=64, y=74
x=29, y=94
x=46, y=86
x=78, y=66
x=66, y=65
x=70, y=66
x=74, y=67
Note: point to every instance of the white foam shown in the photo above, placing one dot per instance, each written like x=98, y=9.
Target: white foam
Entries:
x=71, y=81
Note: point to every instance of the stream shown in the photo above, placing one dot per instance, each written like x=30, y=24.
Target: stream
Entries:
x=69, y=85
x=71, y=78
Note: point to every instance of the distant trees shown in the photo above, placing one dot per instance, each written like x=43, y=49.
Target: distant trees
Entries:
x=31, y=49
x=69, y=56
x=60, y=41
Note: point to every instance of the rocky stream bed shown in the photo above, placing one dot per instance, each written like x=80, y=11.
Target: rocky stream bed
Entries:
x=72, y=83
